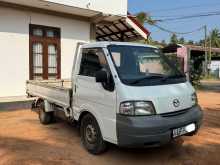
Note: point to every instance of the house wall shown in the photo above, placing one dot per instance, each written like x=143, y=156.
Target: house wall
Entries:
x=215, y=68
x=116, y=7
x=14, y=46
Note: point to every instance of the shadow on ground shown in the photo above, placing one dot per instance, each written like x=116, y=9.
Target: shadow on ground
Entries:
x=23, y=152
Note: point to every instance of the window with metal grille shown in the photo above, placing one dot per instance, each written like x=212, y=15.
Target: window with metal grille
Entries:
x=37, y=60
x=45, y=56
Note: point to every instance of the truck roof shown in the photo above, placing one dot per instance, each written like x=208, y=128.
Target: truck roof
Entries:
x=104, y=44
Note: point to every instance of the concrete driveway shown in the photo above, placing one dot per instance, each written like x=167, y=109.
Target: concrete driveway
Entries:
x=24, y=141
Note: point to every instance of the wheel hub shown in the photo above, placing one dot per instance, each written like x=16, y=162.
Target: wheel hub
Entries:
x=91, y=134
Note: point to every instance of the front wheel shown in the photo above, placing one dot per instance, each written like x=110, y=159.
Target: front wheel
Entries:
x=91, y=136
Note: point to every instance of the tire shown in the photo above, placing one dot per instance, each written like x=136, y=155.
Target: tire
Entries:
x=45, y=117
x=91, y=136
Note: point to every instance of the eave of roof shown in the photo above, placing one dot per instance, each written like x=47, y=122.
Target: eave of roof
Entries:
x=124, y=29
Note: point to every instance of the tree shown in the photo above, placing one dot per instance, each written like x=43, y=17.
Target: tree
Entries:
x=200, y=43
x=144, y=17
x=173, y=39
x=181, y=40
x=190, y=42
x=163, y=42
x=215, y=38
x=150, y=40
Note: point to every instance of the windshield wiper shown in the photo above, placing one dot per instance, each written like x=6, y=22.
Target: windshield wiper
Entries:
x=149, y=77
x=160, y=77
x=175, y=76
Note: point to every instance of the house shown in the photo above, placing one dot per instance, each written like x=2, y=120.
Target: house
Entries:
x=38, y=38
x=191, y=58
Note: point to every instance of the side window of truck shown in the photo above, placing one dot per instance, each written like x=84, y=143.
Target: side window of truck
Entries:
x=93, y=60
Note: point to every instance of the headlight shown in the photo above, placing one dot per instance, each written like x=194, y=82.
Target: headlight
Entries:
x=137, y=108
x=194, y=99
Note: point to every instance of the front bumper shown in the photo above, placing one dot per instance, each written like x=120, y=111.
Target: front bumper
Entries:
x=145, y=131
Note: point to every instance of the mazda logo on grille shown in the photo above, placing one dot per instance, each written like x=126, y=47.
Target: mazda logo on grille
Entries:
x=176, y=103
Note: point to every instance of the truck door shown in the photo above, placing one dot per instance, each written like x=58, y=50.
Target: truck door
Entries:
x=93, y=96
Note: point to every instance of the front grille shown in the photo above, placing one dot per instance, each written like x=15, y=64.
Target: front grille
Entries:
x=176, y=113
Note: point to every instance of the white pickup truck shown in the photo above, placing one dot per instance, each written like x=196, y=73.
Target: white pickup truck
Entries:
x=127, y=94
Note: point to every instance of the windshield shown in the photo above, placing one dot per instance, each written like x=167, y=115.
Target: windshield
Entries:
x=138, y=65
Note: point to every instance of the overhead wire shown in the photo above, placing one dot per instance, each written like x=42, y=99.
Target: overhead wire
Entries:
x=173, y=15
x=188, y=17
x=183, y=7
x=174, y=32
x=179, y=18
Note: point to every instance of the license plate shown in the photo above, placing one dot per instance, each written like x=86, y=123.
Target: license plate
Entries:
x=184, y=130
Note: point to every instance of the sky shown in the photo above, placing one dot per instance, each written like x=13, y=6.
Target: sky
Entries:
x=161, y=9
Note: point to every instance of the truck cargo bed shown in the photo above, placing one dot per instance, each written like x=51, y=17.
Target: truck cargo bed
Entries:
x=56, y=91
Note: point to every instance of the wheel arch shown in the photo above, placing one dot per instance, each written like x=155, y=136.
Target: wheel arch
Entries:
x=38, y=101
x=95, y=115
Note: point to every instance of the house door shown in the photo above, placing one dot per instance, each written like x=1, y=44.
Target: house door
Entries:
x=45, y=57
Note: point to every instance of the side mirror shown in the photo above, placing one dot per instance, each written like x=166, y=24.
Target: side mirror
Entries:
x=101, y=76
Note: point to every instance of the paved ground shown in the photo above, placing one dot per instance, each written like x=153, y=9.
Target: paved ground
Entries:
x=24, y=141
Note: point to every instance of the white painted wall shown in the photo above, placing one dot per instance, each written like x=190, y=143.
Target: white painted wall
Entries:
x=215, y=68
x=14, y=46
x=116, y=7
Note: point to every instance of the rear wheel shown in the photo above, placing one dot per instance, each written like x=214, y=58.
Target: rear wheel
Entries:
x=91, y=136
x=45, y=117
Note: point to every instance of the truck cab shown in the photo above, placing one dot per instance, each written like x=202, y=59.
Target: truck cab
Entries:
x=127, y=94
